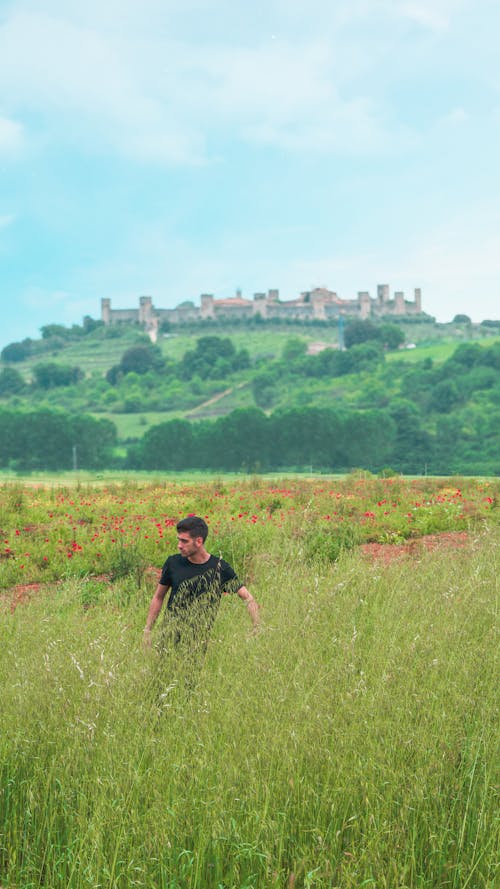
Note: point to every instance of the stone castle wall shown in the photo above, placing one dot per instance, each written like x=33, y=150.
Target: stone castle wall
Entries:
x=319, y=304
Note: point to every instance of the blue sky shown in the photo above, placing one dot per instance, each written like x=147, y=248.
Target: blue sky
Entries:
x=174, y=147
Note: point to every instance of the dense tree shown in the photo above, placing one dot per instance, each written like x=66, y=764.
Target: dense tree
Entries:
x=491, y=323
x=412, y=451
x=358, y=331
x=213, y=358
x=167, y=446
x=390, y=336
x=294, y=348
x=46, y=439
x=240, y=440
x=308, y=437
x=363, y=357
x=465, y=356
x=248, y=440
x=264, y=389
x=91, y=324
x=11, y=381
x=448, y=432
x=17, y=351
x=55, y=330
x=371, y=437
x=140, y=359
x=51, y=375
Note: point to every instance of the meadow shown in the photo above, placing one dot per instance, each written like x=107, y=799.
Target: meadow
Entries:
x=352, y=741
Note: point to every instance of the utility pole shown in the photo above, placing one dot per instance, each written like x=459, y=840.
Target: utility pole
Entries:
x=75, y=461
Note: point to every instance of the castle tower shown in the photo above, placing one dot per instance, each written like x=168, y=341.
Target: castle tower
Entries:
x=106, y=310
x=364, y=304
x=145, y=310
x=399, y=300
x=382, y=294
x=259, y=304
x=207, y=305
x=418, y=299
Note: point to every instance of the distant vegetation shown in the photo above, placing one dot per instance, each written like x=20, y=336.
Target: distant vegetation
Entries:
x=257, y=398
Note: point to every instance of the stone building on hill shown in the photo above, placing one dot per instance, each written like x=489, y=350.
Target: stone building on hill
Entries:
x=319, y=304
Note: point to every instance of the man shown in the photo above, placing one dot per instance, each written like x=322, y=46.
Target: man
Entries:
x=196, y=581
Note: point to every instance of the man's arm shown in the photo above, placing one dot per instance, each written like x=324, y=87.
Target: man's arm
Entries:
x=252, y=605
x=154, y=610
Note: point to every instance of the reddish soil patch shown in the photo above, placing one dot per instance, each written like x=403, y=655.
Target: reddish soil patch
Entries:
x=390, y=552
x=23, y=592
x=153, y=573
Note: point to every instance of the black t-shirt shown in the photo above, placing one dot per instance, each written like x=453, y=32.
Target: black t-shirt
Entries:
x=197, y=587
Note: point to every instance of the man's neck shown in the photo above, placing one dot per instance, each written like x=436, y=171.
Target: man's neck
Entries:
x=200, y=557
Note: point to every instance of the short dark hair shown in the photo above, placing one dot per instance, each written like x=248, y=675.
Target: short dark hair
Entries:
x=194, y=526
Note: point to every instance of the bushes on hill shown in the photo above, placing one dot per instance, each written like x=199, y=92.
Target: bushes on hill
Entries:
x=11, y=381
x=52, y=375
x=390, y=336
x=17, y=351
x=138, y=359
x=213, y=358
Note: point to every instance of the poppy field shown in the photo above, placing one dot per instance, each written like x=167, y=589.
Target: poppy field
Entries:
x=352, y=741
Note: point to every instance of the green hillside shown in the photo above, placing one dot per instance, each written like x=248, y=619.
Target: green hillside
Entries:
x=435, y=396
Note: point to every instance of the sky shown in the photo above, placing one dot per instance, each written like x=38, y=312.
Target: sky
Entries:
x=177, y=147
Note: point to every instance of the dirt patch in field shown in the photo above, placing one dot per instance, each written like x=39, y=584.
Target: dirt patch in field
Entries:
x=390, y=552
x=153, y=573
x=22, y=593
x=384, y=553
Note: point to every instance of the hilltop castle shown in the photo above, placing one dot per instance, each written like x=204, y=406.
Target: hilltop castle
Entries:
x=319, y=304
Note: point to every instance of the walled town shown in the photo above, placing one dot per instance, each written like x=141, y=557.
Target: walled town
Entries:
x=319, y=304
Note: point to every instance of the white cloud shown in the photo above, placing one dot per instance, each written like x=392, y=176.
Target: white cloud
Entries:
x=35, y=297
x=92, y=87
x=153, y=96
x=11, y=136
x=455, y=264
x=161, y=80
x=429, y=15
x=455, y=117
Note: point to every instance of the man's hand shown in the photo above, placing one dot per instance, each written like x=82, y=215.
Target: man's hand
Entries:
x=146, y=639
x=252, y=606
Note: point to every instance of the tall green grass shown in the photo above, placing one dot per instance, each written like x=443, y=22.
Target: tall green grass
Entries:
x=350, y=743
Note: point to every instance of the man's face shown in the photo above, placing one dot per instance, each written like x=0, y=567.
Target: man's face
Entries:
x=188, y=545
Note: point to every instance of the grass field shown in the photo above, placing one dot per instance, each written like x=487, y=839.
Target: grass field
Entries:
x=352, y=742
x=438, y=351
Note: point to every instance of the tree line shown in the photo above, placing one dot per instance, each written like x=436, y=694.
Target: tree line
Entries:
x=249, y=440
x=54, y=440
x=326, y=439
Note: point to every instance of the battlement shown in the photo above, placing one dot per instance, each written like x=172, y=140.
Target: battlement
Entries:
x=318, y=304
